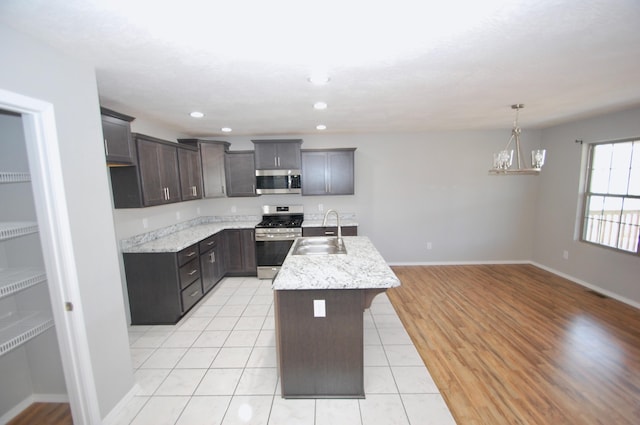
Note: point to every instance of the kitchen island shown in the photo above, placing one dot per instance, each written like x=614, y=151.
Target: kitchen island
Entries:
x=319, y=305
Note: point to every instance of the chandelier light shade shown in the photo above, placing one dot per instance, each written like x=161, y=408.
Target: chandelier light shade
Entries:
x=503, y=160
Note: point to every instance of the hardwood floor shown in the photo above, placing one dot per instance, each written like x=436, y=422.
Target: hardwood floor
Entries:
x=44, y=414
x=514, y=344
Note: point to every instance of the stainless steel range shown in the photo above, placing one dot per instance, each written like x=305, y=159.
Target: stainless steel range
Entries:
x=275, y=234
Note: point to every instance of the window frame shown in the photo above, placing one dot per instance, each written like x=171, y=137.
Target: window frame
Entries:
x=587, y=194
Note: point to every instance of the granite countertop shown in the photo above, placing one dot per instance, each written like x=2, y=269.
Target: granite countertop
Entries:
x=184, y=238
x=361, y=267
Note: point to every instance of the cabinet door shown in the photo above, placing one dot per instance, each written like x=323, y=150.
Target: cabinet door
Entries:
x=190, y=174
x=289, y=155
x=240, y=252
x=159, y=175
x=220, y=255
x=314, y=172
x=118, y=144
x=212, y=260
x=340, y=173
x=169, y=172
x=240, y=173
x=149, y=161
x=328, y=172
x=249, y=251
x=277, y=154
x=266, y=156
x=213, y=170
x=233, y=242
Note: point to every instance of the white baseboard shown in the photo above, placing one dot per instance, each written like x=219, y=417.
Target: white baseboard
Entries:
x=591, y=286
x=33, y=398
x=533, y=263
x=112, y=416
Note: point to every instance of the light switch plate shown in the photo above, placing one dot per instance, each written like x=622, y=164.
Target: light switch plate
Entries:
x=319, y=308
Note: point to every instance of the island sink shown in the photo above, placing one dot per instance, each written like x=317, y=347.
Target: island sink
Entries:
x=318, y=245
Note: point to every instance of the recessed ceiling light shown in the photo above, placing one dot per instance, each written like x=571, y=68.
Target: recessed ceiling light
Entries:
x=320, y=105
x=196, y=114
x=321, y=127
x=319, y=79
x=226, y=129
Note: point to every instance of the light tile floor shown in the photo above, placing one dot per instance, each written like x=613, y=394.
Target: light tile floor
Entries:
x=217, y=366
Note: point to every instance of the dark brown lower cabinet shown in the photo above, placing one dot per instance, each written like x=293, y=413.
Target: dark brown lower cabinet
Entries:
x=212, y=252
x=240, y=255
x=162, y=286
x=320, y=356
x=330, y=231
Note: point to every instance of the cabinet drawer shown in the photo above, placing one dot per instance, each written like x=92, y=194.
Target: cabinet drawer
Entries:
x=187, y=254
x=208, y=243
x=330, y=231
x=189, y=272
x=191, y=295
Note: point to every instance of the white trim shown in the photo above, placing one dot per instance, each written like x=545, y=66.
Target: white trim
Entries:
x=47, y=181
x=533, y=263
x=112, y=417
x=590, y=286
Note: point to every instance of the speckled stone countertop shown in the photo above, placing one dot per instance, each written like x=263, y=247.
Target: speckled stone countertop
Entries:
x=362, y=267
x=180, y=239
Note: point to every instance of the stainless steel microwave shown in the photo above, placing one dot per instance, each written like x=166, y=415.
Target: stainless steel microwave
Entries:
x=269, y=182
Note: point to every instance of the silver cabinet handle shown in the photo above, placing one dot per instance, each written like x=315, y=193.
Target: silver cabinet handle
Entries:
x=195, y=293
x=106, y=146
x=168, y=194
x=192, y=272
x=329, y=232
x=191, y=254
x=210, y=243
x=212, y=257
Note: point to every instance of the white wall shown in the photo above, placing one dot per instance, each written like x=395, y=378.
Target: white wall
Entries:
x=558, y=207
x=35, y=70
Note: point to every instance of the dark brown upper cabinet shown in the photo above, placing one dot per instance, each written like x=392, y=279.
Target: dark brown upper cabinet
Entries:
x=328, y=171
x=155, y=178
x=212, y=154
x=277, y=154
x=240, y=172
x=116, y=130
x=190, y=173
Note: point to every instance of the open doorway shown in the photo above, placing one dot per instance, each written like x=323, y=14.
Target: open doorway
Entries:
x=44, y=343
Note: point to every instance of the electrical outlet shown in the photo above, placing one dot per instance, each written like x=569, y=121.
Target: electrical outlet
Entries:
x=233, y=209
x=319, y=308
x=429, y=246
x=178, y=215
x=198, y=210
x=145, y=223
x=565, y=254
x=320, y=207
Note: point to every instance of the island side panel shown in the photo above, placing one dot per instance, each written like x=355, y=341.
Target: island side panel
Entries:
x=320, y=356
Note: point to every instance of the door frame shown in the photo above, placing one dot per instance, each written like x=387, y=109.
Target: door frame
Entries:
x=41, y=139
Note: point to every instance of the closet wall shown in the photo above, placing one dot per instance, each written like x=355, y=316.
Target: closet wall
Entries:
x=30, y=363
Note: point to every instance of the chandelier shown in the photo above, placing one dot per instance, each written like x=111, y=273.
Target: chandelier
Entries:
x=503, y=160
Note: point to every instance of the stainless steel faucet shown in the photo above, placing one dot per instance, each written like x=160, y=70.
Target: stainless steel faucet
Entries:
x=324, y=223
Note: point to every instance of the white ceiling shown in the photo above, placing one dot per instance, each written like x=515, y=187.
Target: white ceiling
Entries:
x=400, y=65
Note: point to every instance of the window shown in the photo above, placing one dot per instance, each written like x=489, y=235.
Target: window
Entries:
x=612, y=199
